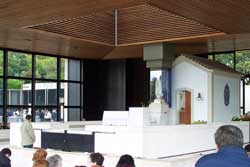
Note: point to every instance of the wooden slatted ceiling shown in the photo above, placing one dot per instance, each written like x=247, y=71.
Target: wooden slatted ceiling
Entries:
x=28, y=40
x=145, y=24
x=19, y=13
x=123, y=52
x=229, y=43
x=230, y=16
x=96, y=27
x=140, y=24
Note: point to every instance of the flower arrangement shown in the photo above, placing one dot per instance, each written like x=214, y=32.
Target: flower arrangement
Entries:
x=199, y=122
x=245, y=117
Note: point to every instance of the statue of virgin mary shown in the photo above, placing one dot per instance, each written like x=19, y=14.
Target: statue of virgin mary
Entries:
x=158, y=89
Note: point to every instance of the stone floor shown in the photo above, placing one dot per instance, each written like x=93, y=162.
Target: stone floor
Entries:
x=22, y=157
x=4, y=137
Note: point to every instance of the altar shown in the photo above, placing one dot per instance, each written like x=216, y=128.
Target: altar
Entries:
x=139, y=139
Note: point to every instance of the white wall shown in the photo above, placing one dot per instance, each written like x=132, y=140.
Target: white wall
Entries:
x=189, y=77
x=159, y=141
x=221, y=112
x=247, y=98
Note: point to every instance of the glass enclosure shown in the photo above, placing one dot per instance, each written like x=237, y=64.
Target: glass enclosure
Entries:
x=160, y=85
x=35, y=84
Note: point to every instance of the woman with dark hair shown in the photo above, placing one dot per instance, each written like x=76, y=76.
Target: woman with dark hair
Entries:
x=4, y=157
x=126, y=161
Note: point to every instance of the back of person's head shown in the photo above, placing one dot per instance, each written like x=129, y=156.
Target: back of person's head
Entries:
x=228, y=135
x=55, y=161
x=247, y=148
x=28, y=117
x=41, y=163
x=97, y=158
x=6, y=152
x=126, y=161
x=40, y=154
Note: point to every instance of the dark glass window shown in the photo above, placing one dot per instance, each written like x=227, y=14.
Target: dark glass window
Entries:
x=46, y=93
x=70, y=69
x=19, y=64
x=1, y=91
x=16, y=87
x=17, y=114
x=210, y=57
x=71, y=92
x=27, y=97
x=1, y=63
x=46, y=114
x=243, y=61
x=46, y=67
x=227, y=59
x=1, y=115
x=74, y=114
x=19, y=88
x=52, y=96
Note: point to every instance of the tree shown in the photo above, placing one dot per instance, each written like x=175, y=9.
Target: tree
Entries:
x=242, y=63
x=46, y=67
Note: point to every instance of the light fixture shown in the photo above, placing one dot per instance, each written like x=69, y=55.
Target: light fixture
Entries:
x=199, y=97
x=61, y=100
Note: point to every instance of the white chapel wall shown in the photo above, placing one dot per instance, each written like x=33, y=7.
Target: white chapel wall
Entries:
x=187, y=76
x=222, y=112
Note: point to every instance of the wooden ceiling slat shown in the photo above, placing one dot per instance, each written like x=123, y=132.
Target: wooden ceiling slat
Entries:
x=139, y=22
x=28, y=40
x=147, y=23
x=94, y=27
x=218, y=14
x=25, y=13
x=135, y=24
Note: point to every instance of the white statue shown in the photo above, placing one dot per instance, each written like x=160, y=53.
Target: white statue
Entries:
x=158, y=89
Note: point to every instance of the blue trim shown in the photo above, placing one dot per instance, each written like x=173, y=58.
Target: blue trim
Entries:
x=170, y=87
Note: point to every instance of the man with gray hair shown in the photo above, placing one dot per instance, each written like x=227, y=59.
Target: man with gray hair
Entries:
x=229, y=141
x=55, y=161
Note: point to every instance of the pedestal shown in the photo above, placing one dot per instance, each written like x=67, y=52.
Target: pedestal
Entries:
x=158, y=112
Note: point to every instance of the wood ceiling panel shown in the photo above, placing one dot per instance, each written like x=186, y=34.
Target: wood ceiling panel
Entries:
x=33, y=41
x=123, y=52
x=226, y=15
x=144, y=24
x=96, y=27
x=229, y=43
x=19, y=13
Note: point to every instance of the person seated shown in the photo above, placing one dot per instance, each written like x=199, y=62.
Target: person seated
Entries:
x=96, y=160
x=4, y=157
x=41, y=163
x=40, y=154
x=55, y=161
x=247, y=149
x=126, y=161
x=229, y=141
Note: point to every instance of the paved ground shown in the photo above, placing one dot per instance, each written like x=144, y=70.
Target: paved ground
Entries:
x=22, y=157
x=4, y=137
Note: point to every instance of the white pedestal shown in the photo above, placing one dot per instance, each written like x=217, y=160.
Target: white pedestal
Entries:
x=158, y=112
x=138, y=117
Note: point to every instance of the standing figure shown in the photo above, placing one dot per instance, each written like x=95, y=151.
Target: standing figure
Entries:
x=27, y=133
